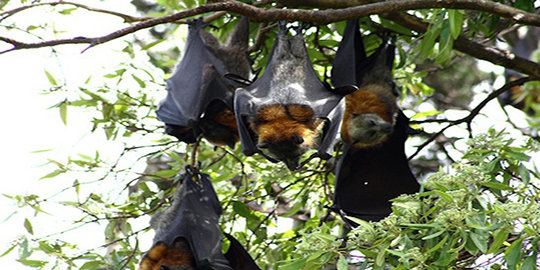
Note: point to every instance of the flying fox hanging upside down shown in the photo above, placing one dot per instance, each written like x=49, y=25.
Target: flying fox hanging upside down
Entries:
x=371, y=111
x=373, y=168
x=199, y=99
x=288, y=110
x=188, y=235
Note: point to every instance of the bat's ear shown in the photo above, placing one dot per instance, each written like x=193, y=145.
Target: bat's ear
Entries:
x=238, y=79
x=298, y=139
x=263, y=145
x=345, y=90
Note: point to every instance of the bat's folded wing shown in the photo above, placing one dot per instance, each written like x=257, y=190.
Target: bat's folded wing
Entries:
x=195, y=83
x=196, y=220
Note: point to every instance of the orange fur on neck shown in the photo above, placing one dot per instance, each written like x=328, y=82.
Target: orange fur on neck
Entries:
x=364, y=101
x=161, y=255
x=277, y=123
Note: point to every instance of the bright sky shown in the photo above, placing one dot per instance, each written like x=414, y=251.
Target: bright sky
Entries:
x=29, y=126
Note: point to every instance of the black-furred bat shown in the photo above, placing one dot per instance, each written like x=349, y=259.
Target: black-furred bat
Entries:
x=288, y=110
x=371, y=111
x=187, y=232
x=373, y=168
x=199, y=98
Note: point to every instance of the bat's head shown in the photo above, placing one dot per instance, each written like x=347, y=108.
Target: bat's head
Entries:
x=369, y=129
x=286, y=132
x=163, y=257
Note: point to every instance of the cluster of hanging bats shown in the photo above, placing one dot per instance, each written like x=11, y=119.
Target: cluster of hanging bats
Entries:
x=281, y=114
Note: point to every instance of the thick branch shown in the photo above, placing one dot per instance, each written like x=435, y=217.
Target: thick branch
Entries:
x=477, y=50
x=313, y=16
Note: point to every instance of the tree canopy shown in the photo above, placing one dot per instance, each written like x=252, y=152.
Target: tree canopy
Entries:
x=474, y=154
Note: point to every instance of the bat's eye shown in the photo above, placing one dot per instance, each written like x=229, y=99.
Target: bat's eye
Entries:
x=298, y=139
x=371, y=123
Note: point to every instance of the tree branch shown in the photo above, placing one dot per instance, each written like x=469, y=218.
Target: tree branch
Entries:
x=474, y=112
x=312, y=16
x=126, y=17
x=477, y=50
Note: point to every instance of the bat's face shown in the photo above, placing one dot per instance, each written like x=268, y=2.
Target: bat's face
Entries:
x=289, y=151
x=285, y=133
x=161, y=257
x=369, y=129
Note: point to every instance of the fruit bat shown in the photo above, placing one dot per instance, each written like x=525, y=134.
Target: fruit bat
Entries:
x=371, y=111
x=238, y=257
x=199, y=98
x=187, y=232
x=288, y=110
x=373, y=168
x=367, y=178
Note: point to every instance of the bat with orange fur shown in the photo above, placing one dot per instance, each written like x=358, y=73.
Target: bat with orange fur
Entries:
x=373, y=168
x=288, y=110
x=199, y=98
x=188, y=235
x=371, y=111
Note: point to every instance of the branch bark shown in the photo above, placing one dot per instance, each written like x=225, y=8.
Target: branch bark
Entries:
x=331, y=15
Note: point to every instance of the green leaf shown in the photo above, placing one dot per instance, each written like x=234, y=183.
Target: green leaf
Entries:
x=67, y=11
x=380, y=257
x=28, y=226
x=342, y=263
x=529, y=263
x=141, y=83
x=8, y=251
x=526, y=5
x=53, y=174
x=456, y=22
x=445, y=45
x=479, y=241
x=518, y=155
x=152, y=44
x=513, y=254
x=294, y=265
x=51, y=79
x=166, y=173
x=426, y=114
x=33, y=263
x=63, y=112
x=433, y=235
x=498, y=240
x=92, y=265
x=497, y=185
x=438, y=245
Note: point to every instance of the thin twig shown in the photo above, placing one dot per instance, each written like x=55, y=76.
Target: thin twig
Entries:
x=474, y=112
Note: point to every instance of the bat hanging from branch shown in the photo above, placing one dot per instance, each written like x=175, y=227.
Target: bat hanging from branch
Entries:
x=187, y=232
x=288, y=110
x=199, y=98
x=373, y=168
